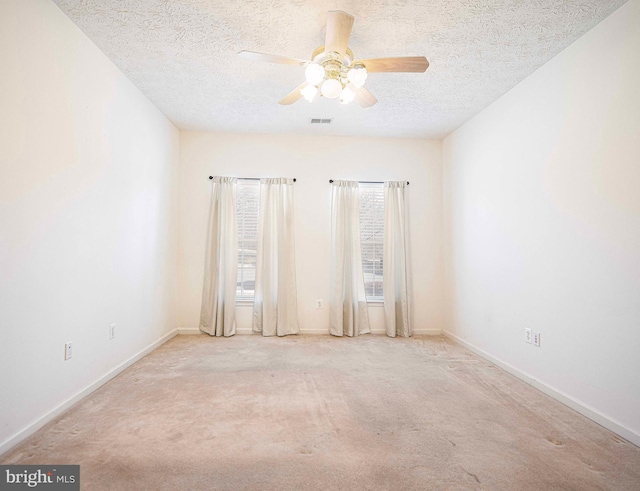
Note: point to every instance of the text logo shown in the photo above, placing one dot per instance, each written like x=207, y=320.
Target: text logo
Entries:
x=40, y=477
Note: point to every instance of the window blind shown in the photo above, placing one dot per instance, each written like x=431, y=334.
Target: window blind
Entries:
x=247, y=209
x=372, y=237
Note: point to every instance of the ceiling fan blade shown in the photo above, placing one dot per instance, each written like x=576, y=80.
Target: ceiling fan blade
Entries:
x=339, y=25
x=364, y=98
x=294, y=95
x=399, y=64
x=269, y=58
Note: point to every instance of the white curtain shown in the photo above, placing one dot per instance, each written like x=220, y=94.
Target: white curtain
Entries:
x=217, y=315
x=348, y=302
x=275, y=310
x=396, y=271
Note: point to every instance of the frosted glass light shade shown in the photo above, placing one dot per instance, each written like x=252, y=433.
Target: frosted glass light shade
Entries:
x=347, y=95
x=309, y=92
x=314, y=73
x=357, y=76
x=331, y=88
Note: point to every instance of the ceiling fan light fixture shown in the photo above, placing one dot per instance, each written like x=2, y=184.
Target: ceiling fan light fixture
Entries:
x=331, y=88
x=357, y=75
x=314, y=73
x=347, y=95
x=309, y=92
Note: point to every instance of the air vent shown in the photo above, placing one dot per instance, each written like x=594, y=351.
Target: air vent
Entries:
x=320, y=121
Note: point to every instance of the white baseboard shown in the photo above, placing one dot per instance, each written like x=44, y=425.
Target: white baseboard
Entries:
x=315, y=332
x=55, y=412
x=558, y=395
x=189, y=330
x=427, y=332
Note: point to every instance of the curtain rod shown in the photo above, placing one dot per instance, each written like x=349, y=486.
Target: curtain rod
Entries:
x=252, y=178
x=367, y=182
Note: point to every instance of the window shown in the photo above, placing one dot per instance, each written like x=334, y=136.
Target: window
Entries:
x=372, y=236
x=247, y=207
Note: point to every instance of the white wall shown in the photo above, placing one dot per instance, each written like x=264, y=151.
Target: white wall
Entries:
x=88, y=173
x=313, y=161
x=542, y=225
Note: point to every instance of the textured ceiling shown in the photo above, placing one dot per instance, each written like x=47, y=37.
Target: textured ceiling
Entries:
x=182, y=54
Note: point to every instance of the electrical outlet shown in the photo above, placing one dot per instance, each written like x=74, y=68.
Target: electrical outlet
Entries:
x=528, y=335
x=536, y=338
x=67, y=350
x=112, y=330
x=319, y=303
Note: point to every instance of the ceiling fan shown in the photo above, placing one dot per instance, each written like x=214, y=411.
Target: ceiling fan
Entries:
x=333, y=71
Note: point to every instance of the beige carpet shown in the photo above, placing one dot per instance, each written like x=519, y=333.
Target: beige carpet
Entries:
x=316, y=412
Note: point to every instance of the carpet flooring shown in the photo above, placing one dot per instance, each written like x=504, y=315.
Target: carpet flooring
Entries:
x=317, y=412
